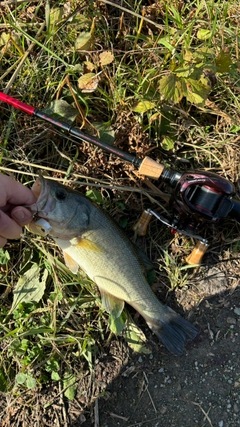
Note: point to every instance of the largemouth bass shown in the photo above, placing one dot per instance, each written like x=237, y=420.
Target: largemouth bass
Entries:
x=91, y=240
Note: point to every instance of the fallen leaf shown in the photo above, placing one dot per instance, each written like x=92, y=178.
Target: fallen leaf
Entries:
x=136, y=338
x=88, y=82
x=84, y=41
x=106, y=58
x=29, y=286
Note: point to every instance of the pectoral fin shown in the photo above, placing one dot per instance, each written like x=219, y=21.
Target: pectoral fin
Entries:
x=85, y=244
x=70, y=263
x=76, y=242
x=112, y=305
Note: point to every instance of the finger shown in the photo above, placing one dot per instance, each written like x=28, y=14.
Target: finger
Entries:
x=3, y=242
x=14, y=192
x=21, y=215
x=8, y=227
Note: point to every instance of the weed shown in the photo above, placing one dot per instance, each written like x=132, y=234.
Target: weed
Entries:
x=177, y=274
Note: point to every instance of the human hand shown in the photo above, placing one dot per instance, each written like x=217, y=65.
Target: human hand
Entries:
x=13, y=216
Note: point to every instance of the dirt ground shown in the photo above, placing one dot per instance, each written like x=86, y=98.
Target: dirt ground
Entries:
x=201, y=388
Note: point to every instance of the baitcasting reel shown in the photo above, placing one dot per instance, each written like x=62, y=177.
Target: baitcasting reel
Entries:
x=197, y=198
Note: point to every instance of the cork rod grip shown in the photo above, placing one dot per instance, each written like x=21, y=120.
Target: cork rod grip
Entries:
x=150, y=168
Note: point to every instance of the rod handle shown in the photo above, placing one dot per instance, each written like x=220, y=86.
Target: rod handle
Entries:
x=150, y=168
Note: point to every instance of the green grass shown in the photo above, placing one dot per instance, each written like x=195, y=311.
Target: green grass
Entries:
x=170, y=88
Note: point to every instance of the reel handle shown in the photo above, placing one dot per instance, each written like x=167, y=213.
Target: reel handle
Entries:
x=141, y=226
x=197, y=253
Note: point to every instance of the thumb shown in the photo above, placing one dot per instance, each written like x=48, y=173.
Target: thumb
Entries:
x=21, y=215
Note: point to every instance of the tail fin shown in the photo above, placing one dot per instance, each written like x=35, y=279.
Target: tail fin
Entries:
x=173, y=331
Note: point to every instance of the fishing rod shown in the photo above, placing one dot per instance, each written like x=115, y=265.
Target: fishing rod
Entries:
x=147, y=166
x=197, y=198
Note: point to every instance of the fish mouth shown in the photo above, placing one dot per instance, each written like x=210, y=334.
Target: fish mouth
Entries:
x=41, y=208
x=45, y=202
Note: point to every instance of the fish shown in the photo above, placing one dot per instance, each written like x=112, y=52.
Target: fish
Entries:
x=91, y=240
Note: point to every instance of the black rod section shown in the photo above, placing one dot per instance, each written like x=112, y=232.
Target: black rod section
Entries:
x=69, y=129
x=73, y=131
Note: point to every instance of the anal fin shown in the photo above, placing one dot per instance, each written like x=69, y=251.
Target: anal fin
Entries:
x=112, y=305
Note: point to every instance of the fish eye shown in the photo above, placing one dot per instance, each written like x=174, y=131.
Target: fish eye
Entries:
x=61, y=194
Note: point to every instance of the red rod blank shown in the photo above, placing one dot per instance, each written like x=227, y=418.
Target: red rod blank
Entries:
x=17, y=104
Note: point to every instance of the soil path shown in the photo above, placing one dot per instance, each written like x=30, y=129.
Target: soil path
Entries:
x=202, y=388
